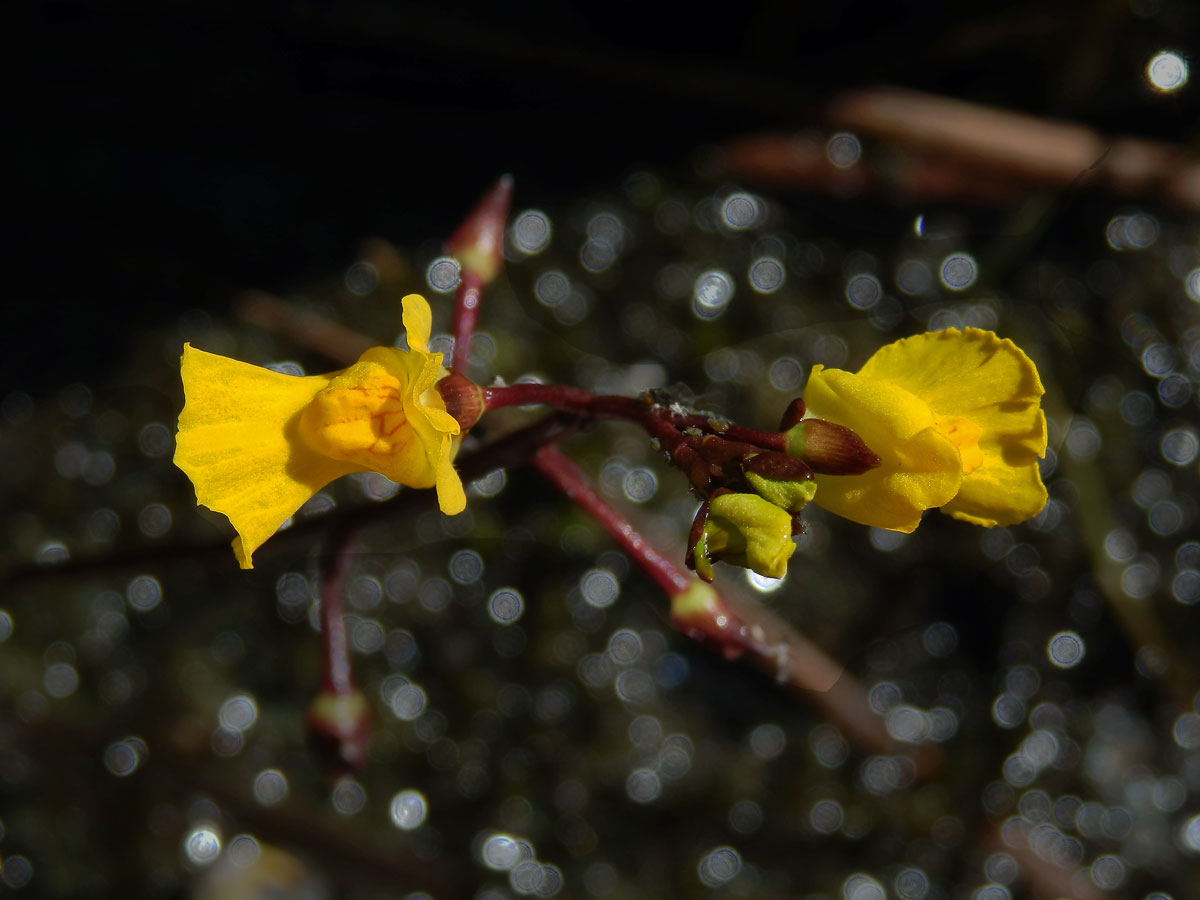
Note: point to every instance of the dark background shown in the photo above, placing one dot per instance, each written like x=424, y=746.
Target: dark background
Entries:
x=166, y=155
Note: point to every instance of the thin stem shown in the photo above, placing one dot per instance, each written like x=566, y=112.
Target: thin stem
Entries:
x=735, y=626
x=337, y=676
x=467, y=301
x=652, y=416
x=570, y=479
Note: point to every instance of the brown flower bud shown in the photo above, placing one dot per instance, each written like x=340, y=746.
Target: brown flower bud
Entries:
x=478, y=243
x=830, y=449
x=463, y=399
x=792, y=415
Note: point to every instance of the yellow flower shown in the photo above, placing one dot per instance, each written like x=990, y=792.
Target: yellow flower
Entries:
x=745, y=530
x=955, y=417
x=257, y=444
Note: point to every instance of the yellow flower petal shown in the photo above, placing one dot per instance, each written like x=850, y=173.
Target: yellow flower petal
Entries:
x=237, y=444
x=418, y=323
x=989, y=381
x=973, y=374
x=451, y=498
x=258, y=444
x=919, y=466
x=999, y=493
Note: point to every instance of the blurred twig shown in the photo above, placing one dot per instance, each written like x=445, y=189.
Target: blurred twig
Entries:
x=967, y=152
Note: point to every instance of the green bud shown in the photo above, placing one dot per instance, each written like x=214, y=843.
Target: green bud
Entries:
x=787, y=493
x=745, y=530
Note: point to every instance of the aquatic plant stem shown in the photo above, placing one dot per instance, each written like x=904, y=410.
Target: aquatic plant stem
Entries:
x=339, y=717
x=656, y=418
x=337, y=669
x=478, y=245
x=467, y=300
x=736, y=627
x=565, y=475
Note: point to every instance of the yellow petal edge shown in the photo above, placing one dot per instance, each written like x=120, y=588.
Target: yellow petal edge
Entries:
x=955, y=417
x=257, y=443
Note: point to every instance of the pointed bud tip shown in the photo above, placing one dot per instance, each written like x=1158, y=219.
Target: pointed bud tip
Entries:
x=478, y=243
x=830, y=449
x=792, y=415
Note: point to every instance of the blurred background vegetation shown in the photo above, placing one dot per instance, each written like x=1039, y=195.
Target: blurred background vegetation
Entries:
x=717, y=201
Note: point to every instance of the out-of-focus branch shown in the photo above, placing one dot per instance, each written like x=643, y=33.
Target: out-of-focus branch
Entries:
x=305, y=329
x=956, y=150
x=1043, y=877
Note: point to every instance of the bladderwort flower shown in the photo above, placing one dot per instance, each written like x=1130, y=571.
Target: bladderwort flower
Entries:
x=955, y=418
x=257, y=443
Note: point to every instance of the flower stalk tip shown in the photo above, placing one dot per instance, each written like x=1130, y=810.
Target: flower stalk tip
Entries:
x=478, y=243
x=339, y=725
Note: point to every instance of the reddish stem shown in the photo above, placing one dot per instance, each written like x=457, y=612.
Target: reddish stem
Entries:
x=337, y=675
x=656, y=419
x=734, y=626
x=571, y=480
x=467, y=301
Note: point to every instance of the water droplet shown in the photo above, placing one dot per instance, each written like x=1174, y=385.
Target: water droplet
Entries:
x=826, y=816
x=202, y=846
x=958, y=271
x=711, y=293
x=270, y=787
x=599, y=588
x=1167, y=71
x=843, y=150
x=143, y=593
x=408, y=809
x=500, y=853
x=741, y=211
x=531, y=232
x=863, y=291
x=1180, y=446
x=766, y=275
x=443, y=274
x=361, y=278
x=1065, y=649
x=643, y=786
x=506, y=606
x=348, y=797
x=466, y=566
x=155, y=440
x=238, y=713
x=719, y=866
